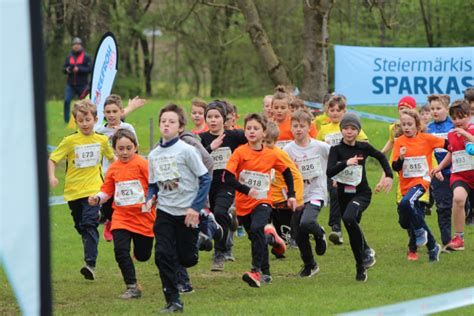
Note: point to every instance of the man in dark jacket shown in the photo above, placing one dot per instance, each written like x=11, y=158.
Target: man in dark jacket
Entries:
x=77, y=66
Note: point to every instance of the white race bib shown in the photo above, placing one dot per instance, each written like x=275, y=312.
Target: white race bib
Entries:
x=166, y=168
x=87, y=155
x=462, y=161
x=443, y=136
x=414, y=167
x=282, y=143
x=351, y=175
x=220, y=156
x=129, y=193
x=310, y=167
x=256, y=180
x=333, y=139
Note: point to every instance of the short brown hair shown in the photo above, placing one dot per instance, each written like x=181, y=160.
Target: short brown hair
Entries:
x=338, y=100
x=199, y=103
x=84, y=106
x=297, y=104
x=121, y=133
x=444, y=99
x=272, y=132
x=171, y=107
x=302, y=115
x=424, y=108
x=256, y=117
x=113, y=99
x=459, y=109
x=469, y=94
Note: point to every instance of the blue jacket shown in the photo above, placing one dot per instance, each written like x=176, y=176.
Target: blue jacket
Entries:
x=441, y=129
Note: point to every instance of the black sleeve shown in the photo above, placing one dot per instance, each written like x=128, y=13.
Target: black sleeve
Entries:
x=334, y=166
x=86, y=67
x=289, y=182
x=66, y=65
x=242, y=138
x=229, y=179
x=397, y=165
x=382, y=160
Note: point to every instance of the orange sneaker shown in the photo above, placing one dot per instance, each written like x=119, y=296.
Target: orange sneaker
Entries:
x=457, y=243
x=412, y=256
x=107, y=232
x=252, y=278
x=279, y=246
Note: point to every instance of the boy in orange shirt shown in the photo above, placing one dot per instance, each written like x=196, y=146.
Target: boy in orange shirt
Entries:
x=412, y=159
x=251, y=164
x=282, y=216
x=127, y=181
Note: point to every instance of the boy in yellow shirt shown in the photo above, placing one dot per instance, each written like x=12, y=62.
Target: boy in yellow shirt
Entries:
x=330, y=132
x=83, y=152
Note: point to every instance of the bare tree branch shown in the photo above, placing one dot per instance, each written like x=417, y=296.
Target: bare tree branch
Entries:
x=219, y=5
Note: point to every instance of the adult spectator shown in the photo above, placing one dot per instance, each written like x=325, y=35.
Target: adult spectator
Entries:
x=77, y=66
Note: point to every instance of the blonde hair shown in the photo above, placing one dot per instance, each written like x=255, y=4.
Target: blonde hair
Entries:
x=302, y=115
x=414, y=114
x=444, y=99
x=84, y=106
x=272, y=131
x=199, y=103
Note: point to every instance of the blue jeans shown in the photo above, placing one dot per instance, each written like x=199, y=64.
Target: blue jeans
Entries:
x=411, y=214
x=86, y=220
x=69, y=93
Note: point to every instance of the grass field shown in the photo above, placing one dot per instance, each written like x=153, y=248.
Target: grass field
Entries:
x=333, y=290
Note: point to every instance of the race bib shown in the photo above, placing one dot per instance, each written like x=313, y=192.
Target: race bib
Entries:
x=414, y=167
x=310, y=168
x=129, y=193
x=166, y=168
x=256, y=180
x=220, y=156
x=282, y=143
x=333, y=139
x=462, y=161
x=86, y=155
x=443, y=136
x=351, y=175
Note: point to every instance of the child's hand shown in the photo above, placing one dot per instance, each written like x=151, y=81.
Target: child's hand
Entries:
x=461, y=132
x=437, y=174
x=292, y=203
x=217, y=142
x=403, y=151
x=253, y=193
x=93, y=200
x=334, y=184
x=151, y=202
x=136, y=102
x=53, y=181
x=354, y=161
x=191, y=218
x=385, y=184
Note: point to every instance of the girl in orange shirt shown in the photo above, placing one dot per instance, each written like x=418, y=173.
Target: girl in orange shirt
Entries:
x=412, y=159
x=251, y=164
x=127, y=181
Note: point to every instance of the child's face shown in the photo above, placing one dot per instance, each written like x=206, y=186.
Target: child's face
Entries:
x=197, y=115
x=408, y=125
x=113, y=113
x=280, y=109
x=335, y=114
x=349, y=133
x=438, y=111
x=254, y=132
x=270, y=143
x=125, y=149
x=169, y=125
x=267, y=107
x=425, y=117
x=462, y=122
x=86, y=122
x=214, y=121
x=300, y=130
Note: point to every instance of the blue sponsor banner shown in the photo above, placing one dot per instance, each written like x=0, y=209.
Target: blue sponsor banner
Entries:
x=376, y=75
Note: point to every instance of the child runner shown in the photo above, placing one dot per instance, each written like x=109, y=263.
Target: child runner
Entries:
x=282, y=116
x=127, y=182
x=412, y=159
x=220, y=143
x=113, y=111
x=425, y=114
x=462, y=171
x=323, y=118
x=181, y=181
x=443, y=196
x=469, y=97
x=311, y=157
x=347, y=166
x=267, y=106
x=83, y=152
x=282, y=216
x=331, y=134
x=251, y=164
x=197, y=115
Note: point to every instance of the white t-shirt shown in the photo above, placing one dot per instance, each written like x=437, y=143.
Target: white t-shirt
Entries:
x=176, y=169
x=311, y=160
